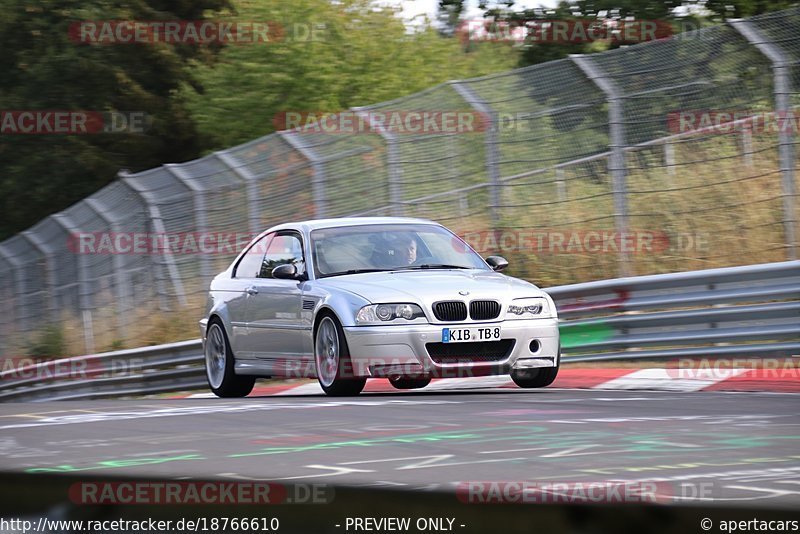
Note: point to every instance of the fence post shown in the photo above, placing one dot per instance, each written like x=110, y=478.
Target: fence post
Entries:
x=48, y=253
x=199, y=203
x=747, y=146
x=120, y=280
x=7, y=326
x=20, y=302
x=782, y=86
x=392, y=161
x=84, y=285
x=669, y=158
x=561, y=185
x=492, y=156
x=251, y=189
x=318, y=183
x=616, y=124
x=158, y=227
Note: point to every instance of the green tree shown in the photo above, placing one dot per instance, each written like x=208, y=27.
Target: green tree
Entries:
x=676, y=15
x=44, y=69
x=331, y=56
x=665, y=9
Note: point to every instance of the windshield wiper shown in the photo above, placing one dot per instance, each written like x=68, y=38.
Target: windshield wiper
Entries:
x=434, y=266
x=353, y=271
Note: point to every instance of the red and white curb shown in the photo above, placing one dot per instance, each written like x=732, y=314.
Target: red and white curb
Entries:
x=769, y=380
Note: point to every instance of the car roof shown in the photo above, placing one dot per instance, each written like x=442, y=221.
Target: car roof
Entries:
x=315, y=224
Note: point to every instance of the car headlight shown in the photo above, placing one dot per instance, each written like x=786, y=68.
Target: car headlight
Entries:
x=390, y=313
x=528, y=308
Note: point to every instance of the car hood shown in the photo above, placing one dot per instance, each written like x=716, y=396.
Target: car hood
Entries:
x=428, y=286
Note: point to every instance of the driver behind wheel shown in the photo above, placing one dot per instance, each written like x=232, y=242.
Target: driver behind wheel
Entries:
x=396, y=253
x=406, y=250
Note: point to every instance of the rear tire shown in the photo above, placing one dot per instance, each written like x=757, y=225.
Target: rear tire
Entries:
x=332, y=357
x=406, y=382
x=222, y=379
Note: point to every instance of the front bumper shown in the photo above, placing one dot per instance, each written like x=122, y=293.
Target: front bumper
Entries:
x=400, y=349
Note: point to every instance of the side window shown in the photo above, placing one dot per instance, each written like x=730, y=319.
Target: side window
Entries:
x=285, y=248
x=250, y=264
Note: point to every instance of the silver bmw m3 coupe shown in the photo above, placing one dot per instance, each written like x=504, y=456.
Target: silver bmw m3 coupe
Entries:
x=344, y=300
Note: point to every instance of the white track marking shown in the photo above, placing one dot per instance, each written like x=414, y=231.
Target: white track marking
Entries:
x=312, y=388
x=336, y=471
x=667, y=380
x=212, y=408
x=471, y=382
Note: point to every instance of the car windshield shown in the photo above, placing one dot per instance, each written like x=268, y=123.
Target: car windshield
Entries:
x=388, y=247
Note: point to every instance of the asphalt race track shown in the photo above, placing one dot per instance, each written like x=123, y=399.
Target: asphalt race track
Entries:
x=703, y=447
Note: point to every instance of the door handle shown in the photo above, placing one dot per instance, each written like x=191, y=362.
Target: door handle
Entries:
x=252, y=290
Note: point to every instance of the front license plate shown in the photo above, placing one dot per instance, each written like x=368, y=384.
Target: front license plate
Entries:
x=463, y=335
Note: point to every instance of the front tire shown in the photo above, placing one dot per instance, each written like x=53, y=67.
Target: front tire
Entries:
x=534, y=378
x=333, y=360
x=537, y=378
x=222, y=379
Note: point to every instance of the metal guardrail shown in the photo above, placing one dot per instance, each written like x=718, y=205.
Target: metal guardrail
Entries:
x=156, y=369
x=751, y=311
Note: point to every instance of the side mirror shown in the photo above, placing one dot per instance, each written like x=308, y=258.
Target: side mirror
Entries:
x=497, y=263
x=287, y=271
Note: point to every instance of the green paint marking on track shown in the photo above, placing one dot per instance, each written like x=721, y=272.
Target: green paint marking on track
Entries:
x=356, y=443
x=113, y=464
